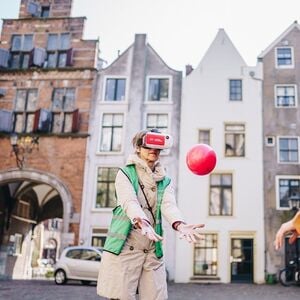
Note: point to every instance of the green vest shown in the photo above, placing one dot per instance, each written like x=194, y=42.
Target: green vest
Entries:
x=120, y=226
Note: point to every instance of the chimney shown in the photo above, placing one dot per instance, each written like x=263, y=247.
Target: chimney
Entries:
x=188, y=69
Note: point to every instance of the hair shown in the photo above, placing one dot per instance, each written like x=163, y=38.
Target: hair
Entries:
x=137, y=140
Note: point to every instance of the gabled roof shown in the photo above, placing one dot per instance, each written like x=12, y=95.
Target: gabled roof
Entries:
x=274, y=43
x=221, y=40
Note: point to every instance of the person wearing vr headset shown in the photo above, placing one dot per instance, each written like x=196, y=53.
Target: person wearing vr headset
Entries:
x=133, y=256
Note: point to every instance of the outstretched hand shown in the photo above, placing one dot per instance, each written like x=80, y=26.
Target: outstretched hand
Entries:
x=283, y=230
x=191, y=232
x=147, y=229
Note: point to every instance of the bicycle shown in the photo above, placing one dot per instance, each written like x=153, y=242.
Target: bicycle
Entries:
x=291, y=274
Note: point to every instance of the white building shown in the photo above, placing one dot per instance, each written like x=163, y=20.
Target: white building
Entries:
x=137, y=91
x=221, y=106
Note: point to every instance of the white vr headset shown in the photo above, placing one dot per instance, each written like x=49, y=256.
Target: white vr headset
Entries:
x=156, y=140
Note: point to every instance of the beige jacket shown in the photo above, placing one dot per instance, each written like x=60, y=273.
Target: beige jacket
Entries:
x=137, y=266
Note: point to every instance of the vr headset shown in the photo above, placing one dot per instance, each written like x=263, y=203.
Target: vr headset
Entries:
x=157, y=140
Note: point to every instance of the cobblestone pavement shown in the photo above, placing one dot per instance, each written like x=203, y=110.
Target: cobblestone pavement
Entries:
x=47, y=290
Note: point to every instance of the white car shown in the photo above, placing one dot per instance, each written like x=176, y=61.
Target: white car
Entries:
x=78, y=263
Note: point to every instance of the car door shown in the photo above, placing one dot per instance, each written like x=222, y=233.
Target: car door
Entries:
x=72, y=262
x=89, y=264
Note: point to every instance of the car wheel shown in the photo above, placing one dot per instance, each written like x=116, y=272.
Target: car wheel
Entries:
x=85, y=282
x=60, y=277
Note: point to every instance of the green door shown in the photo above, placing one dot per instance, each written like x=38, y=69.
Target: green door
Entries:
x=241, y=260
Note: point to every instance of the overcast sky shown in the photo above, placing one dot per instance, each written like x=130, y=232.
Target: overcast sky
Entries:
x=180, y=30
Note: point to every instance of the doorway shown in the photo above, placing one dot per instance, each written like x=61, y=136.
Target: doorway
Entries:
x=242, y=260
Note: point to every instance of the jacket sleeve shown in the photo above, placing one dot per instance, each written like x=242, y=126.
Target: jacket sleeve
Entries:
x=127, y=197
x=169, y=208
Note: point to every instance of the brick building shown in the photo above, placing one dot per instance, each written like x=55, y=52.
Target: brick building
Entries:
x=47, y=77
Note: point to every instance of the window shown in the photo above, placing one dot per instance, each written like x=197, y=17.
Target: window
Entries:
x=286, y=96
x=106, y=187
x=111, y=133
x=25, y=106
x=159, y=121
x=234, y=140
x=59, y=54
x=204, y=137
x=6, y=120
x=270, y=141
x=115, y=89
x=21, y=51
x=45, y=11
x=206, y=256
x=98, y=237
x=158, y=89
x=235, y=90
x=284, y=57
x=220, y=195
x=288, y=150
x=287, y=187
x=63, y=105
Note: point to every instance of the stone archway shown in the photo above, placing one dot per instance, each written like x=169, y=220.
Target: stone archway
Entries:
x=47, y=178
x=30, y=200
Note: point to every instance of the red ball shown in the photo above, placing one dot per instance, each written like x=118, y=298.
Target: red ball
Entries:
x=201, y=159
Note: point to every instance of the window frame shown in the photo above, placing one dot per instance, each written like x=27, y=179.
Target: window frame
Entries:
x=215, y=245
x=276, y=86
x=24, y=55
x=114, y=77
x=222, y=189
x=288, y=150
x=24, y=113
x=235, y=134
x=277, y=188
x=278, y=66
x=102, y=234
x=58, y=51
x=231, y=99
x=107, y=183
x=63, y=114
x=102, y=152
x=159, y=102
x=204, y=141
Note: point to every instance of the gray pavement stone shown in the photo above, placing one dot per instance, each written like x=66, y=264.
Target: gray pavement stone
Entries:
x=48, y=290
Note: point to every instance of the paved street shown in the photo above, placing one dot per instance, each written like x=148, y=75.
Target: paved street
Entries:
x=47, y=290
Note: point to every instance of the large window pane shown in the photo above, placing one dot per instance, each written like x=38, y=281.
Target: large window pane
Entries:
x=111, y=135
x=159, y=121
x=65, y=41
x=288, y=150
x=158, y=89
x=115, y=89
x=105, y=187
x=27, y=42
x=220, y=203
x=16, y=43
x=235, y=140
x=205, y=256
x=52, y=42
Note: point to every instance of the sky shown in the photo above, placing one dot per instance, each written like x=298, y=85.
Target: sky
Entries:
x=180, y=31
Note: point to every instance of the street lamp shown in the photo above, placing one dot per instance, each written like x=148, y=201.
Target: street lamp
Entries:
x=294, y=202
x=21, y=146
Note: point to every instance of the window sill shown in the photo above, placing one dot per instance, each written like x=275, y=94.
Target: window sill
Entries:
x=43, y=134
x=204, y=278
